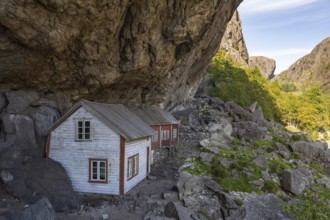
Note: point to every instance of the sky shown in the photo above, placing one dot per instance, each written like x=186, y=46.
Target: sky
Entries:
x=284, y=30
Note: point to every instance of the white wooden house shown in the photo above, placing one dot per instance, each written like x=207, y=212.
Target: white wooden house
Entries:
x=104, y=148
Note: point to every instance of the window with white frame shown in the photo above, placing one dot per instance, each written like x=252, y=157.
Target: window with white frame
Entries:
x=133, y=166
x=175, y=133
x=154, y=137
x=98, y=170
x=84, y=129
x=165, y=135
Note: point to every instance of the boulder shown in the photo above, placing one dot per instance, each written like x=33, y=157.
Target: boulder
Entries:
x=261, y=207
x=258, y=183
x=253, y=107
x=19, y=101
x=41, y=210
x=250, y=129
x=178, y=212
x=224, y=162
x=237, y=112
x=222, y=125
x=43, y=117
x=311, y=150
x=41, y=177
x=261, y=162
x=8, y=125
x=206, y=157
x=296, y=180
x=221, y=138
x=283, y=151
x=202, y=193
x=324, y=181
x=258, y=117
x=265, y=175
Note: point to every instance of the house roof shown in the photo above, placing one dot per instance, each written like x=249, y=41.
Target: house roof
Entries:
x=115, y=116
x=155, y=116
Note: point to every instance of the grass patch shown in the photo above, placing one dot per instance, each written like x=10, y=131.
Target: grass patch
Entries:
x=270, y=187
x=318, y=168
x=238, y=202
x=198, y=168
x=278, y=166
x=218, y=170
x=313, y=204
x=263, y=143
x=204, y=213
x=241, y=184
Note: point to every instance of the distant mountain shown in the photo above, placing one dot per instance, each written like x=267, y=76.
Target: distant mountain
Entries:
x=266, y=65
x=234, y=45
x=311, y=69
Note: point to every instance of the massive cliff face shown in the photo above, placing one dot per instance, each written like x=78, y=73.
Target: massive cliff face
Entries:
x=310, y=69
x=139, y=52
x=233, y=41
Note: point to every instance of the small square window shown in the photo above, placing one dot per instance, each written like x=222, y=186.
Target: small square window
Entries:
x=165, y=135
x=98, y=170
x=175, y=133
x=154, y=137
x=83, y=130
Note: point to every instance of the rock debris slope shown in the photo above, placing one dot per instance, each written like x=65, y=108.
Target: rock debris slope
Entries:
x=138, y=52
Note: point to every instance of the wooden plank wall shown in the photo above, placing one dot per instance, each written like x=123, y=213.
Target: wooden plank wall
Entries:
x=74, y=155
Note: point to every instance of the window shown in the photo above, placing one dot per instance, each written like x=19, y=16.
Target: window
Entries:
x=165, y=135
x=132, y=166
x=98, y=170
x=175, y=133
x=154, y=137
x=83, y=130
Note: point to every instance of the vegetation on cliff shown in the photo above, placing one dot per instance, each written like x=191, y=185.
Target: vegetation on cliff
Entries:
x=306, y=110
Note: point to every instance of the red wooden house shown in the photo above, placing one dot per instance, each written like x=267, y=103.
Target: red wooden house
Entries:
x=163, y=123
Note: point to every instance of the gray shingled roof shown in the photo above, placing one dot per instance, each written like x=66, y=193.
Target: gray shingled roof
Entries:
x=115, y=116
x=155, y=116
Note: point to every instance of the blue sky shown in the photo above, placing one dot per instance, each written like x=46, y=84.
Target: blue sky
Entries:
x=284, y=30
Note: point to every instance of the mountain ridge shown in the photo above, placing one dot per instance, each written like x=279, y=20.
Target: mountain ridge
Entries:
x=313, y=68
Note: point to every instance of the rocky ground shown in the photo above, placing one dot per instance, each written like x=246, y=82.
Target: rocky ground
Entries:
x=231, y=163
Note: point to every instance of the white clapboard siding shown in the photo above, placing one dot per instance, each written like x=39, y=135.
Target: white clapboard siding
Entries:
x=133, y=148
x=74, y=155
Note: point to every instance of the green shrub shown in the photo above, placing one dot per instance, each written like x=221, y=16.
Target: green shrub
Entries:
x=270, y=187
x=238, y=202
x=217, y=170
x=198, y=168
x=278, y=166
x=263, y=143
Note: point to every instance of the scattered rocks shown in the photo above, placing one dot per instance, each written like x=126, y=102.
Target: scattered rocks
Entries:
x=206, y=157
x=41, y=210
x=296, y=180
x=311, y=150
x=261, y=207
x=261, y=162
x=324, y=181
x=283, y=151
x=258, y=183
x=178, y=212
